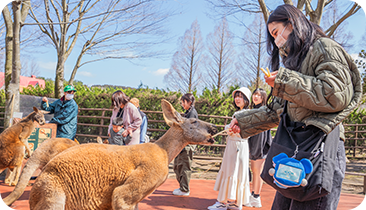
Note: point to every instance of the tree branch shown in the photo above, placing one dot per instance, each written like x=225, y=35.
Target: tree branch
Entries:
x=264, y=9
x=352, y=11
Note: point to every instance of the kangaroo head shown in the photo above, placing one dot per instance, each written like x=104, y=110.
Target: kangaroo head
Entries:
x=38, y=116
x=195, y=131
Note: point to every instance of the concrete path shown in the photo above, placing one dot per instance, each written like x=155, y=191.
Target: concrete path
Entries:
x=202, y=195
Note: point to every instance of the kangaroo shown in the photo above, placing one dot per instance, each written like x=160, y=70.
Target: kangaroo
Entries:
x=94, y=176
x=40, y=157
x=13, y=142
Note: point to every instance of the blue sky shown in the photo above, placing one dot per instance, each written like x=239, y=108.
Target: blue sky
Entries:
x=151, y=72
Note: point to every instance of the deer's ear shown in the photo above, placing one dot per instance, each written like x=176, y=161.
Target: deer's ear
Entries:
x=44, y=112
x=35, y=109
x=171, y=116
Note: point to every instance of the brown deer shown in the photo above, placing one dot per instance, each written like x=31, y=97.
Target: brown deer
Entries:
x=14, y=142
x=40, y=157
x=94, y=176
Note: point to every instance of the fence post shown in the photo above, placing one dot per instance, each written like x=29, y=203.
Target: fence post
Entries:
x=101, y=123
x=354, y=149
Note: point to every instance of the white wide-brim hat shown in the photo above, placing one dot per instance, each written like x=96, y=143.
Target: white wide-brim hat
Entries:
x=245, y=91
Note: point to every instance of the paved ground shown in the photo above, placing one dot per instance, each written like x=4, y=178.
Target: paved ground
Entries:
x=202, y=196
x=202, y=193
x=207, y=169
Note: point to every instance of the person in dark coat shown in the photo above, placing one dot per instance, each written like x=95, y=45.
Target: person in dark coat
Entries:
x=258, y=149
x=183, y=162
x=65, y=112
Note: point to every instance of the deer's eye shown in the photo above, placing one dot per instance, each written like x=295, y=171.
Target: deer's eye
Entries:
x=194, y=121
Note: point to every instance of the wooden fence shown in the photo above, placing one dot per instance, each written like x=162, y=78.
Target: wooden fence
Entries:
x=93, y=122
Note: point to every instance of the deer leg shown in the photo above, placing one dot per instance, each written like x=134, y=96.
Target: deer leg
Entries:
x=15, y=176
x=29, y=151
x=136, y=187
x=23, y=136
x=46, y=194
x=8, y=176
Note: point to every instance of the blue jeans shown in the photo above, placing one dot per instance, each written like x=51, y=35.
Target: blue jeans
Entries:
x=328, y=202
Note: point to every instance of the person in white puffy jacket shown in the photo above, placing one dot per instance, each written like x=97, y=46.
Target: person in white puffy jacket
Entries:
x=232, y=181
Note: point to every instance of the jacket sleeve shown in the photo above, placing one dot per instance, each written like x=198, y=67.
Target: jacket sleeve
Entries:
x=254, y=121
x=132, y=118
x=66, y=116
x=50, y=108
x=329, y=90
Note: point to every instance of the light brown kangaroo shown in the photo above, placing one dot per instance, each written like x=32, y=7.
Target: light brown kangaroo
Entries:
x=94, y=176
x=14, y=142
x=40, y=157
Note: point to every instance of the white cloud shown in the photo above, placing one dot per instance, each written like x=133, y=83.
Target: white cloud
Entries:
x=161, y=71
x=85, y=73
x=47, y=65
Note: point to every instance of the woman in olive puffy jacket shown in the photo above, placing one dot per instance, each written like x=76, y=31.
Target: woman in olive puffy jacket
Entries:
x=320, y=83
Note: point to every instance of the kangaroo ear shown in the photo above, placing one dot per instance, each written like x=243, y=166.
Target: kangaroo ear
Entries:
x=35, y=109
x=171, y=116
x=43, y=111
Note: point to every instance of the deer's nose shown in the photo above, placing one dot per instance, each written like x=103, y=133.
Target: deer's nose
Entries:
x=213, y=129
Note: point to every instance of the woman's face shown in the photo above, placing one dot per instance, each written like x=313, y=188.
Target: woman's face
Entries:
x=185, y=104
x=257, y=98
x=277, y=28
x=239, y=101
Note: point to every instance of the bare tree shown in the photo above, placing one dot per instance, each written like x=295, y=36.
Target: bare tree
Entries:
x=12, y=53
x=333, y=13
x=235, y=7
x=29, y=67
x=253, y=55
x=221, y=57
x=185, y=72
x=102, y=28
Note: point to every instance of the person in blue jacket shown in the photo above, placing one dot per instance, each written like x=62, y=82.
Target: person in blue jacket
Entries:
x=65, y=112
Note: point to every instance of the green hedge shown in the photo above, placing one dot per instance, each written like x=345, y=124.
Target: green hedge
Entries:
x=209, y=102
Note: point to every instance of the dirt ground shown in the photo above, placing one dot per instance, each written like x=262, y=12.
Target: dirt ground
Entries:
x=205, y=168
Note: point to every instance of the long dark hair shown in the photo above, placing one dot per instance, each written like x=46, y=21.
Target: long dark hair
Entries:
x=263, y=95
x=119, y=98
x=246, y=100
x=299, y=41
x=188, y=97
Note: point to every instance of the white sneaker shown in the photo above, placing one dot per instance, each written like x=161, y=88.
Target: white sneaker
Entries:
x=255, y=202
x=217, y=205
x=178, y=192
x=233, y=206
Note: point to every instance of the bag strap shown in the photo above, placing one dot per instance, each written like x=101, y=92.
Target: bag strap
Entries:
x=319, y=147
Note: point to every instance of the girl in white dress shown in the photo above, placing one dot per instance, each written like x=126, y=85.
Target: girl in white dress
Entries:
x=232, y=181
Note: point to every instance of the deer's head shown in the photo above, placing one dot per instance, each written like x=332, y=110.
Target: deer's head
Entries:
x=195, y=131
x=38, y=116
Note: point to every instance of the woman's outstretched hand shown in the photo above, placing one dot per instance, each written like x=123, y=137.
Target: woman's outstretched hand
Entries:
x=270, y=80
x=234, y=126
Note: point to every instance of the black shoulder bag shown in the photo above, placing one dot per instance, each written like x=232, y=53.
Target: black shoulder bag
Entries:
x=300, y=141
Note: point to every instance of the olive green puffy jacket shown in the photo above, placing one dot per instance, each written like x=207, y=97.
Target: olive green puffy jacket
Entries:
x=323, y=93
